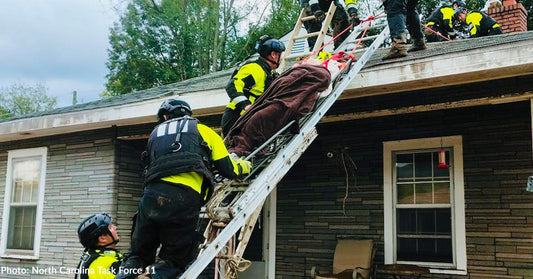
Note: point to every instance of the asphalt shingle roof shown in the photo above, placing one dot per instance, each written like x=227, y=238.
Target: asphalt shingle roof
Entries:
x=219, y=79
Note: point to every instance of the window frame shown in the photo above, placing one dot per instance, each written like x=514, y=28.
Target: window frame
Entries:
x=454, y=143
x=16, y=253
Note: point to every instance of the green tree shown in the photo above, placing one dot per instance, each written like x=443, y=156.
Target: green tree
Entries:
x=528, y=4
x=20, y=99
x=159, y=43
x=172, y=40
x=282, y=17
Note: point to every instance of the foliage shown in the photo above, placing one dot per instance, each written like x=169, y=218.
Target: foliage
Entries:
x=20, y=99
x=159, y=43
x=281, y=21
x=172, y=40
x=528, y=4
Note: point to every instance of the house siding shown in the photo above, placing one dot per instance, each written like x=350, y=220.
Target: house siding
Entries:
x=498, y=210
x=80, y=181
x=130, y=186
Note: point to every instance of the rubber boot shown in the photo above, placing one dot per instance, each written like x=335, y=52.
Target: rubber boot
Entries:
x=418, y=44
x=398, y=49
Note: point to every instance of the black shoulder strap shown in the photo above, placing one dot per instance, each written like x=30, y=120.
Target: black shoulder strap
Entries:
x=86, y=260
x=183, y=121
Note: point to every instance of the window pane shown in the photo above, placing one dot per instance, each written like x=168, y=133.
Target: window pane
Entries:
x=442, y=192
x=423, y=166
x=21, y=228
x=406, y=221
x=406, y=249
x=425, y=250
x=424, y=193
x=26, y=172
x=404, y=166
x=426, y=221
x=26, y=191
x=406, y=194
x=17, y=191
x=444, y=221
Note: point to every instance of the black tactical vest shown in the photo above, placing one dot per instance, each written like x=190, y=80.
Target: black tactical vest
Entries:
x=175, y=146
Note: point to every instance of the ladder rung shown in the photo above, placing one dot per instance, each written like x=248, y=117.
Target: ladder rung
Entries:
x=308, y=18
x=300, y=54
x=367, y=38
x=314, y=34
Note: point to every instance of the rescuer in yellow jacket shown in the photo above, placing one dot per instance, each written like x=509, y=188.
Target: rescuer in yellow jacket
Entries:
x=339, y=22
x=251, y=79
x=441, y=21
x=179, y=160
x=100, y=260
x=479, y=24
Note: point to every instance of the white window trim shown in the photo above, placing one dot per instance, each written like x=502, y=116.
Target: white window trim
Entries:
x=5, y=253
x=456, y=142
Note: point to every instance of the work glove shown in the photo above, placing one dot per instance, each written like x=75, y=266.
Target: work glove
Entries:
x=354, y=18
x=240, y=106
x=244, y=166
x=318, y=13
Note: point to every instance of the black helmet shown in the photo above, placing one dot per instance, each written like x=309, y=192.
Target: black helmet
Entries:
x=459, y=3
x=267, y=44
x=173, y=108
x=93, y=227
x=458, y=11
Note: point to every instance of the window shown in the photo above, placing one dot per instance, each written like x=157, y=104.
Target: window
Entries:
x=424, y=205
x=23, y=203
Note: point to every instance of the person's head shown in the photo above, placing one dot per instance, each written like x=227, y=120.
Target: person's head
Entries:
x=173, y=108
x=98, y=231
x=270, y=49
x=460, y=14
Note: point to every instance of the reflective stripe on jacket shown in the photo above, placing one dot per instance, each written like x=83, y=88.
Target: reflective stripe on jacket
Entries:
x=248, y=83
x=188, y=161
x=99, y=264
x=480, y=24
x=443, y=18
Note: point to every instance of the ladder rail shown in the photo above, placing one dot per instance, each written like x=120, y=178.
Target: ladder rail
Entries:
x=267, y=180
x=295, y=36
x=358, y=30
x=325, y=26
x=310, y=124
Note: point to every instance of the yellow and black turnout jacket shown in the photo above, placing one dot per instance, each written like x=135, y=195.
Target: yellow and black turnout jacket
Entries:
x=480, y=24
x=99, y=264
x=442, y=20
x=182, y=151
x=248, y=83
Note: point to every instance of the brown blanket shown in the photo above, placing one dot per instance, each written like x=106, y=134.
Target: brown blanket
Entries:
x=288, y=98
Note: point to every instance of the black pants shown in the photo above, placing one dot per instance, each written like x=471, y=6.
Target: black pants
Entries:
x=229, y=118
x=433, y=37
x=167, y=216
x=495, y=31
x=339, y=22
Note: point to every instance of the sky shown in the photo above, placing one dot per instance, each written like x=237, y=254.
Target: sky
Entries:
x=61, y=43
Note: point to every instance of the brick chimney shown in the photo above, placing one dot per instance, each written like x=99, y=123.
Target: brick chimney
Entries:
x=512, y=16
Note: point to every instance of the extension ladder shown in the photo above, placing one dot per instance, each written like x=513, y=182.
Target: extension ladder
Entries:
x=245, y=207
x=319, y=34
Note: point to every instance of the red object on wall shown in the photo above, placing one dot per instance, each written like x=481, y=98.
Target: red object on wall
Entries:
x=442, y=160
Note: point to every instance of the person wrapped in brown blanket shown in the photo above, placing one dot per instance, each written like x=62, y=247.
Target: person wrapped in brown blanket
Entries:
x=288, y=98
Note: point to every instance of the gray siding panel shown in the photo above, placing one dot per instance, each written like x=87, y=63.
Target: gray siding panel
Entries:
x=497, y=162
x=80, y=181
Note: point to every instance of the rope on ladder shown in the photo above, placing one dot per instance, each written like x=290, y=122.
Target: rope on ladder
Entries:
x=234, y=265
x=369, y=20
